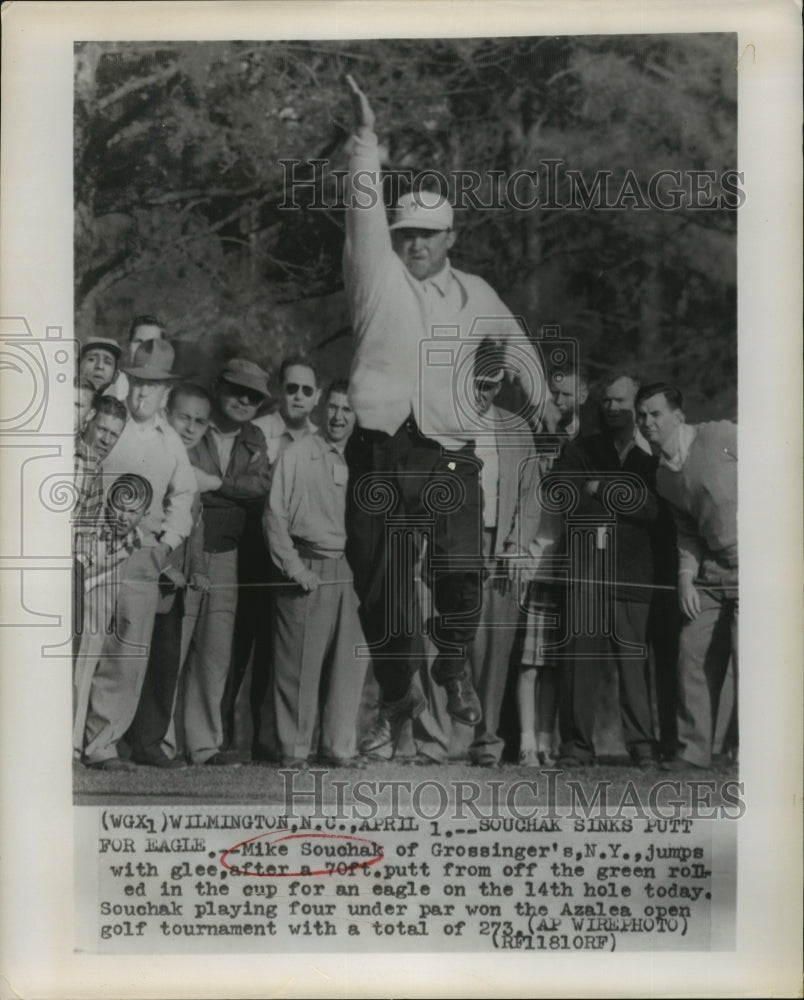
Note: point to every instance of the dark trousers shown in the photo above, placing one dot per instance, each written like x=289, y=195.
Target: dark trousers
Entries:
x=158, y=695
x=664, y=625
x=253, y=633
x=579, y=680
x=404, y=487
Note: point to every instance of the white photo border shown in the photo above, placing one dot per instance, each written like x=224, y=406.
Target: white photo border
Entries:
x=37, y=247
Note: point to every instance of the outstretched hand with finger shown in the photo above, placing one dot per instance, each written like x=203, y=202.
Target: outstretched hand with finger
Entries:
x=364, y=115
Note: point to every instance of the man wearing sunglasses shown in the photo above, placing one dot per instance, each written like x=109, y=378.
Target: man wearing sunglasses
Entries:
x=299, y=395
x=413, y=446
x=232, y=468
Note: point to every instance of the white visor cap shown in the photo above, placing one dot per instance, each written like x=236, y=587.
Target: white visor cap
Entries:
x=423, y=210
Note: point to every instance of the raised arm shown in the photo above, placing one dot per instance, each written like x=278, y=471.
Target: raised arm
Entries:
x=363, y=112
x=368, y=240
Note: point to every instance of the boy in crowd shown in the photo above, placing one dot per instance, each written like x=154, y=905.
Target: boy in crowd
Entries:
x=150, y=447
x=234, y=468
x=298, y=398
x=98, y=362
x=100, y=557
x=317, y=626
x=150, y=735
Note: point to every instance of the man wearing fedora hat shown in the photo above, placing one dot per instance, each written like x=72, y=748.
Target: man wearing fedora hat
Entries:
x=141, y=330
x=233, y=468
x=98, y=362
x=402, y=289
x=151, y=448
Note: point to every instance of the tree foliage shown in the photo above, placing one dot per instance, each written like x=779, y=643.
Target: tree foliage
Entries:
x=180, y=191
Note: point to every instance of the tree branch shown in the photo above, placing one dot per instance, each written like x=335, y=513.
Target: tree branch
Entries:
x=132, y=86
x=200, y=195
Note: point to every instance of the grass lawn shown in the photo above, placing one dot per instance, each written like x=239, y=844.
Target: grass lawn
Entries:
x=256, y=783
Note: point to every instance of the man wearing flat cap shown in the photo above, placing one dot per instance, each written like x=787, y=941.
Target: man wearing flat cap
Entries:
x=149, y=446
x=233, y=470
x=98, y=362
x=413, y=440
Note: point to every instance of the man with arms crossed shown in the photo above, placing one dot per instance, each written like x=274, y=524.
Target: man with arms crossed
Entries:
x=232, y=469
x=299, y=395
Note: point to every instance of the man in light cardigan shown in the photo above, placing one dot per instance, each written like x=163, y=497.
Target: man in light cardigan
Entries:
x=697, y=475
x=412, y=431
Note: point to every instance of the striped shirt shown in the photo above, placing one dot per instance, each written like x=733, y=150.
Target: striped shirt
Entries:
x=88, y=486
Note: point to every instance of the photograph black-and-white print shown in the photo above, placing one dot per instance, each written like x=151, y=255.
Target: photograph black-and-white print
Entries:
x=446, y=490
x=564, y=213
x=397, y=473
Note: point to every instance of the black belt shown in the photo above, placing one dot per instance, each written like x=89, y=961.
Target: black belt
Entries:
x=412, y=429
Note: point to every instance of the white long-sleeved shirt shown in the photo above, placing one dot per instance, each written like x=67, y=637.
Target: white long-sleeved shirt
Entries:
x=415, y=340
x=155, y=451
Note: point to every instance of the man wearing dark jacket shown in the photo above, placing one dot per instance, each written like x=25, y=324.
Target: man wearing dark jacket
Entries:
x=615, y=474
x=232, y=469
